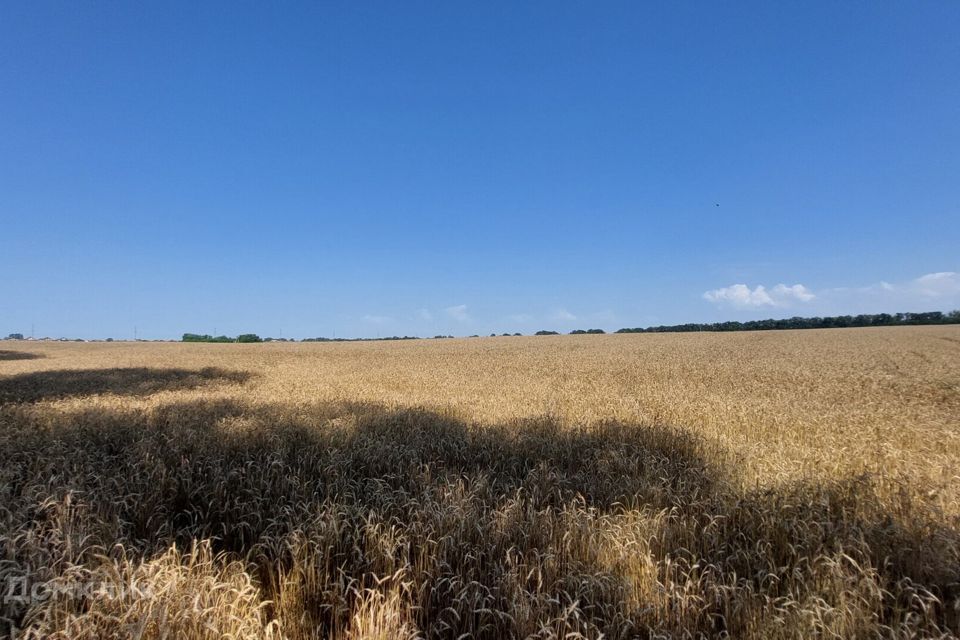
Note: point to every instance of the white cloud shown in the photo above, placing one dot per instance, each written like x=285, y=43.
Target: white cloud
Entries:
x=425, y=314
x=940, y=290
x=937, y=285
x=796, y=292
x=458, y=313
x=943, y=284
x=562, y=315
x=520, y=318
x=743, y=297
x=372, y=319
x=740, y=295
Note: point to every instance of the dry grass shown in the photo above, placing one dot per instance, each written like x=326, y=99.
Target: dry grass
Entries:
x=753, y=485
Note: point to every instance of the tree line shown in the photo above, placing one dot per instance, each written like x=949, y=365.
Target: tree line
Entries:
x=828, y=322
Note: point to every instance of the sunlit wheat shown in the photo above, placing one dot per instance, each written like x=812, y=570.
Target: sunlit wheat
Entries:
x=754, y=485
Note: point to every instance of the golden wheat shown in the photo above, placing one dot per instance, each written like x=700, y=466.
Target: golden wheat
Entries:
x=749, y=485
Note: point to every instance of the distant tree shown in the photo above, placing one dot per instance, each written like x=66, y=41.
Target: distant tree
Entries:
x=546, y=333
x=248, y=337
x=493, y=335
x=15, y=336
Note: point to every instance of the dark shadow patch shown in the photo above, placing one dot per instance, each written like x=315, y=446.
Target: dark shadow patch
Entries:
x=6, y=354
x=139, y=381
x=333, y=497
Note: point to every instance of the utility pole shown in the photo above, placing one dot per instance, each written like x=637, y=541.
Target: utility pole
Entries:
x=134, y=333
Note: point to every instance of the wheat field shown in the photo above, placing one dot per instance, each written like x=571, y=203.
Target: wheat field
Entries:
x=788, y=484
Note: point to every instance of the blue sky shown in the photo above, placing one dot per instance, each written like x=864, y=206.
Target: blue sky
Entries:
x=424, y=168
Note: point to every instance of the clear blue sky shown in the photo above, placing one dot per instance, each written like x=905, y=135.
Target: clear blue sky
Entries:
x=422, y=168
